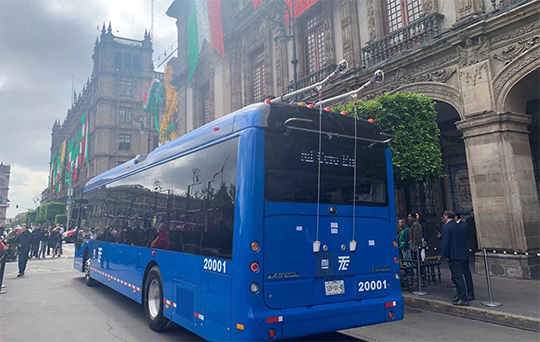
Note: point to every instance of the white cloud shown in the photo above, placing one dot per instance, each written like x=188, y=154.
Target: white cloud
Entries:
x=25, y=184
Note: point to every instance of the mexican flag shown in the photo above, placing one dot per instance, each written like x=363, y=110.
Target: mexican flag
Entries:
x=300, y=6
x=204, y=23
x=83, y=141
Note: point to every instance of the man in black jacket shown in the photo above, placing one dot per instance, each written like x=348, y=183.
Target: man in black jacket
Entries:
x=36, y=238
x=466, y=266
x=24, y=240
x=454, y=250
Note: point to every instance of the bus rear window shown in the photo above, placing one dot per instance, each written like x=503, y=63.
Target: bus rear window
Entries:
x=291, y=172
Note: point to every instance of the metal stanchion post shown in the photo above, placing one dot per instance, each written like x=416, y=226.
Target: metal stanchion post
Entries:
x=2, y=269
x=419, y=292
x=491, y=303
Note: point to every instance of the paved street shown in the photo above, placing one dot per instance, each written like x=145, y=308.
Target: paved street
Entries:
x=52, y=303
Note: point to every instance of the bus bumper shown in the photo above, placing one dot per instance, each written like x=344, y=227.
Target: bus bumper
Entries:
x=323, y=318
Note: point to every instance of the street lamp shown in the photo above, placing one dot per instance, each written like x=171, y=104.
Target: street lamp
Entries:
x=283, y=37
x=140, y=119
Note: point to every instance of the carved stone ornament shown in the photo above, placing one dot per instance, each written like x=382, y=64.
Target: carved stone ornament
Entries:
x=472, y=50
x=440, y=76
x=473, y=75
x=429, y=6
x=467, y=8
x=519, y=32
x=509, y=54
x=514, y=70
x=371, y=20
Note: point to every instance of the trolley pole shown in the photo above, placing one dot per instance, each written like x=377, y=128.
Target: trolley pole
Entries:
x=491, y=303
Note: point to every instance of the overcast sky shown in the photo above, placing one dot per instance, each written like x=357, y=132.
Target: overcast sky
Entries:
x=42, y=44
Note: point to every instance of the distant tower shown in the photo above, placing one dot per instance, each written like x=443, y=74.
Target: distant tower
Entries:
x=4, y=189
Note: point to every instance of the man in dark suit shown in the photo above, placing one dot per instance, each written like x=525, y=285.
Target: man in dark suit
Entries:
x=466, y=266
x=454, y=250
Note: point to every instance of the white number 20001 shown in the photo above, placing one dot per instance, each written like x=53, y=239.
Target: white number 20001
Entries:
x=371, y=285
x=215, y=265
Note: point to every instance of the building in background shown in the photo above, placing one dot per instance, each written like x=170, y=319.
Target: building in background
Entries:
x=100, y=130
x=5, y=171
x=479, y=60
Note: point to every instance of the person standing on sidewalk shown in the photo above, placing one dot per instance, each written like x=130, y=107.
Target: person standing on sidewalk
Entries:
x=43, y=243
x=454, y=251
x=415, y=233
x=466, y=262
x=36, y=238
x=24, y=240
x=404, y=244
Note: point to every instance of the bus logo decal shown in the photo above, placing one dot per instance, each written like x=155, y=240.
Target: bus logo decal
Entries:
x=343, y=261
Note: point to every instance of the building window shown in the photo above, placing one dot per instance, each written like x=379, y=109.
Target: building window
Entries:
x=422, y=199
x=400, y=13
x=207, y=114
x=118, y=60
x=257, y=75
x=127, y=61
x=124, y=116
x=314, y=49
x=126, y=88
x=124, y=141
x=136, y=64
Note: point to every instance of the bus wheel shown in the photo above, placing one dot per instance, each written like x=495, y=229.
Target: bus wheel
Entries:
x=153, y=300
x=89, y=281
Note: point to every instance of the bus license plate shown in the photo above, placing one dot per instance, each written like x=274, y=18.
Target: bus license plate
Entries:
x=334, y=287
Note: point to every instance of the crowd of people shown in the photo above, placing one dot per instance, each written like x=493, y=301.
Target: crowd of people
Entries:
x=458, y=239
x=24, y=242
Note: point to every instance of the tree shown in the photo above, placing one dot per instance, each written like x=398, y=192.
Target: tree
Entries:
x=31, y=217
x=412, y=120
x=60, y=219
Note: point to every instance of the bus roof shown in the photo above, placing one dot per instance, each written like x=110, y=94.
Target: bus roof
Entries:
x=255, y=115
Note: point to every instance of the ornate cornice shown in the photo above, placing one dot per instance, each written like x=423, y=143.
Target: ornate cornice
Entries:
x=510, y=53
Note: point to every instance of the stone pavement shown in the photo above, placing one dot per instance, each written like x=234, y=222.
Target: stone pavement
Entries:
x=520, y=299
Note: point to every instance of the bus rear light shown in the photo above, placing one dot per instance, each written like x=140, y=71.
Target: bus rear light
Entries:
x=254, y=266
x=272, y=333
x=391, y=315
x=255, y=246
x=397, y=276
x=395, y=243
x=153, y=253
x=274, y=319
x=396, y=259
x=254, y=288
x=389, y=304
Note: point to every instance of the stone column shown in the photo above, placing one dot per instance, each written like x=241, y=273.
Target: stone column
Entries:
x=503, y=190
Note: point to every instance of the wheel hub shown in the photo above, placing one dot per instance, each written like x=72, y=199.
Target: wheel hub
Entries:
x=154, y=298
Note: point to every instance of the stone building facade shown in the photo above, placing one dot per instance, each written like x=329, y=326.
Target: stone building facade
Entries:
x=5, y=171
x=112, y=98
x=479, y=60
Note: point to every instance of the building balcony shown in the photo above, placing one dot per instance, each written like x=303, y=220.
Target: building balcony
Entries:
x=416, y=34
x=312, y=78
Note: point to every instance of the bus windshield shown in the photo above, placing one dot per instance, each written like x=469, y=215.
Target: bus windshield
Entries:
x=291, y=172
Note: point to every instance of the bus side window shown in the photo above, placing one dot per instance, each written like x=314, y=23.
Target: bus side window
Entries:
x=220, y=199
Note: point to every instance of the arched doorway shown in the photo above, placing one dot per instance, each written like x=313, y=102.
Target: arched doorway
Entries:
x=432, y=198
x=524, y=97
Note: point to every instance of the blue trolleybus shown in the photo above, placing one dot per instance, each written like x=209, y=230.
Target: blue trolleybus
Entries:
x=242, y=230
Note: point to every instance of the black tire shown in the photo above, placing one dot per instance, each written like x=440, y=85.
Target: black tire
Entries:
x=86, y=269
x=153, y=300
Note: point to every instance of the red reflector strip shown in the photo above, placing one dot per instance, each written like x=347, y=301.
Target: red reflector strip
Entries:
x=389, y=304
x=199, y=316
x=168, y=302
x=274, y=319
